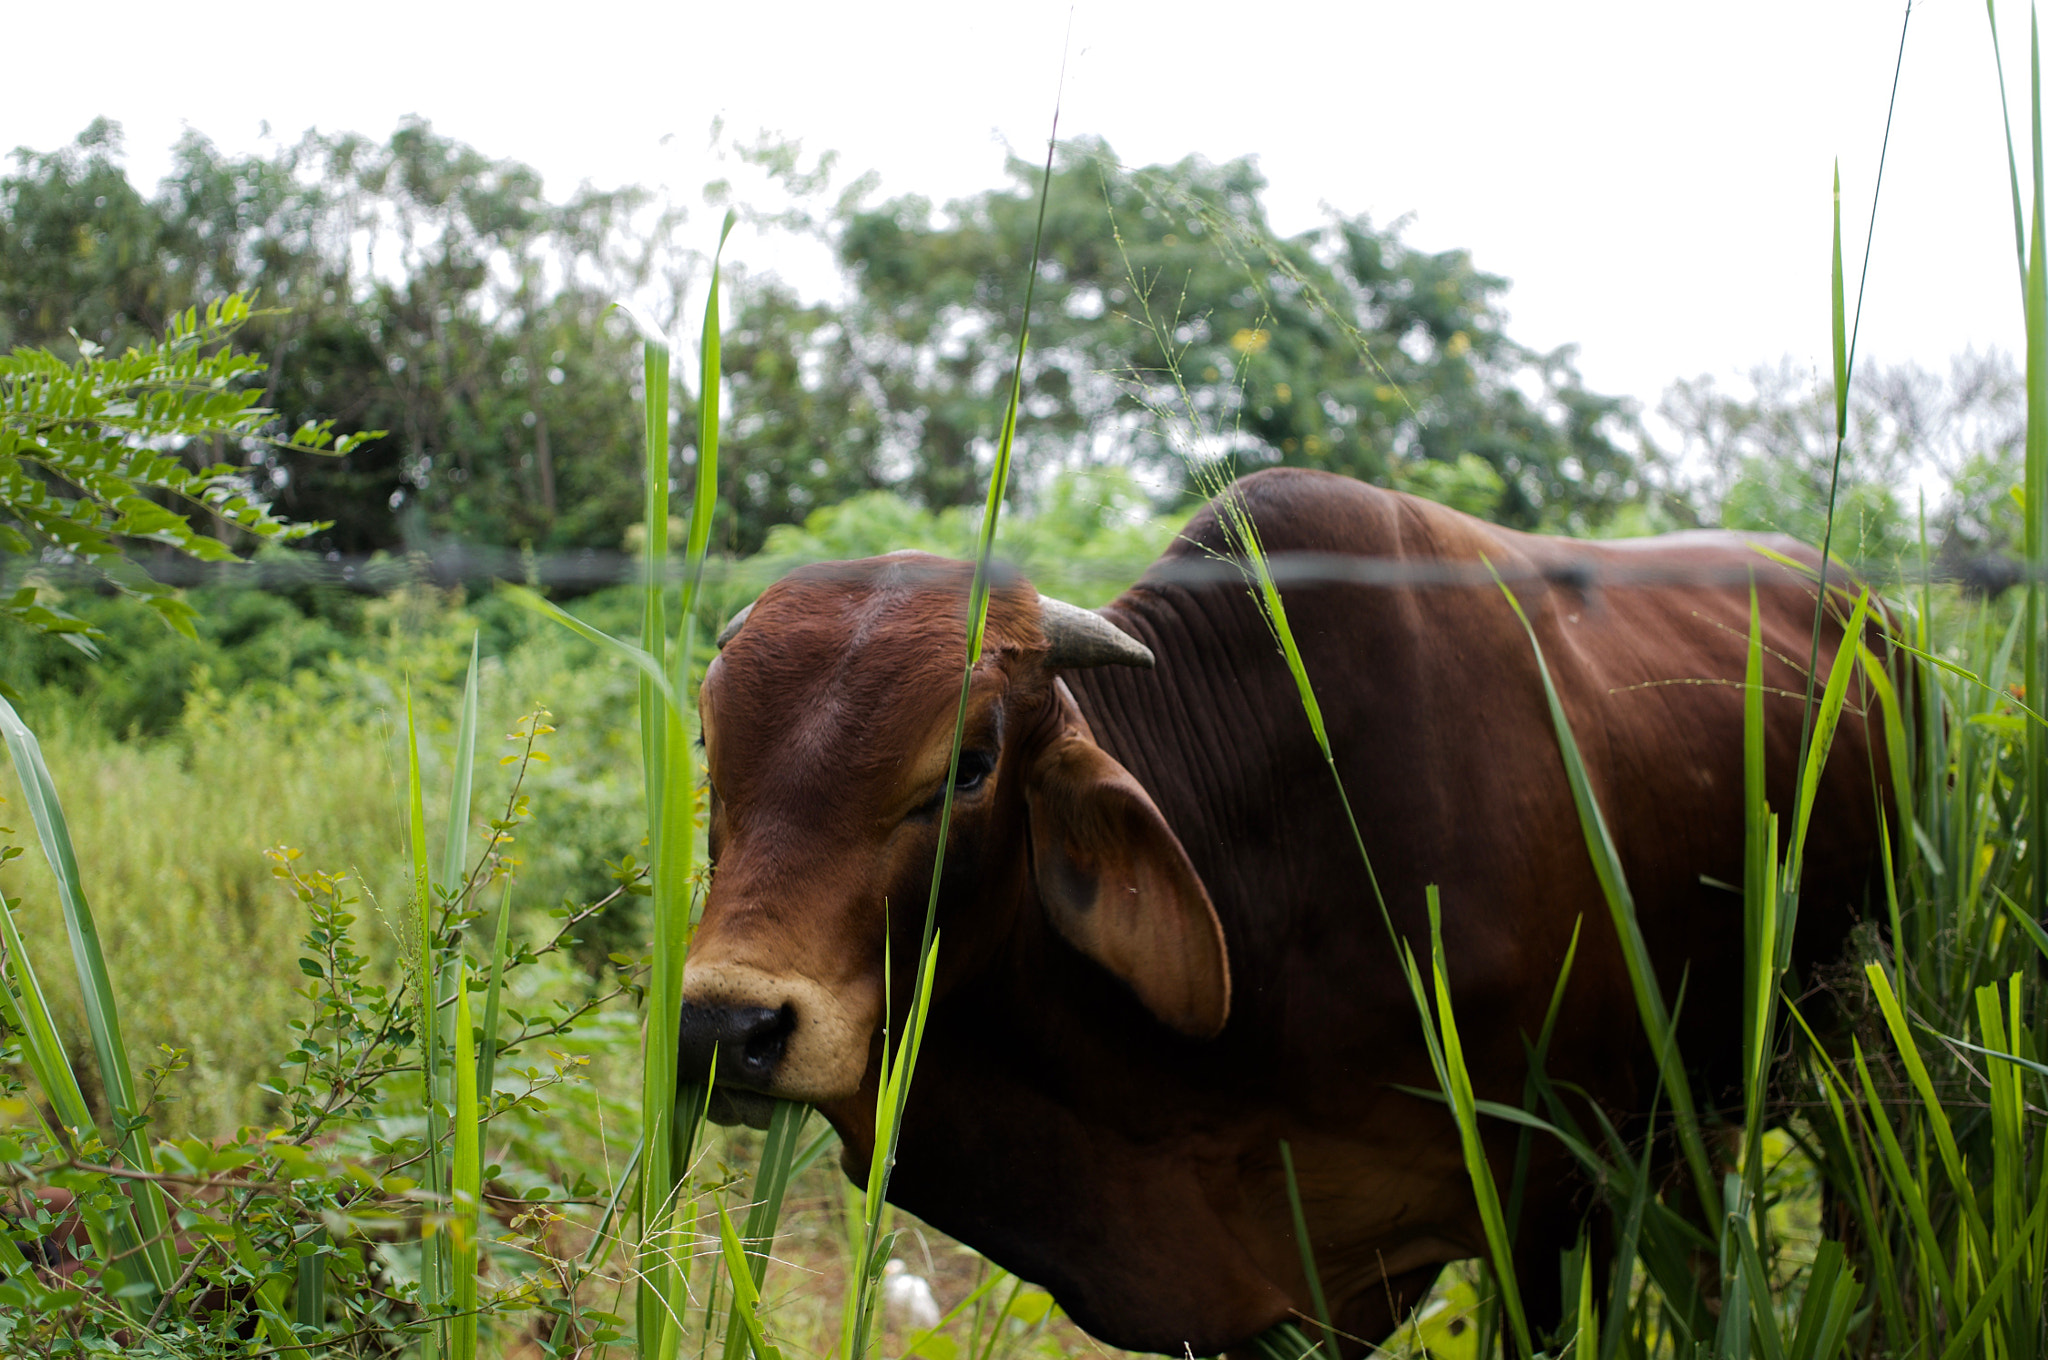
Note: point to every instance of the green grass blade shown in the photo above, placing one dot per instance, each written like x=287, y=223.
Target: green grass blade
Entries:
x=2008, y=1138
x=1532, y=1084
x=1844, y=372
x=1308, y=1254
x=2029, y=926
x=1905, y=1185
x=467, y=1181
x=102, y=1015
x=26, y=1010
x=651, y=670
x=996, y=1278
x=654, y=380
x=813, y=1150
x=1458, y=1085
x=2008, y=1059
x=2035, y=507
x=658, y=1173
x=487, y=1055
x=1627, y=1240
x=2019, y=225
x=309, y=1297
x=670, y=1118
x=1840, y=317
x=1821, y=738
x=1760, y=903
x=1282, y=1341
x=1585, y=1318
x=1237, y=521
x=455, y=847
x=28, y=1017
x=704, y=502
x=1899, y=754
x=1621, y=908
x=746, y=1299
x=1831, y=1296
x=433, y=1274
x=889, y=1106
x=771, y=1183
x=1937, y=1114
x=1835, y=1090
x=1762, y=1322
x=895, y=1085
x=1968, y=1334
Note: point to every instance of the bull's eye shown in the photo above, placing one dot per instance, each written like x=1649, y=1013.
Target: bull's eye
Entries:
x=975, y=768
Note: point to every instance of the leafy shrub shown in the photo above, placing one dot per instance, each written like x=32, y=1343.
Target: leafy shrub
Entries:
x=84, y=466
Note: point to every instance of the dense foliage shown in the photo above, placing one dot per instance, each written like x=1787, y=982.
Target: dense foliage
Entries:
x=1165, y=291
x=420, y=287
x=84, y=444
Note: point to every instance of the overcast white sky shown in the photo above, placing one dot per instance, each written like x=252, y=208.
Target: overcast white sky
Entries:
x=1653, y=178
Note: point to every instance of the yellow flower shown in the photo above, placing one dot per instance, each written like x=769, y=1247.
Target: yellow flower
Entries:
x=1250, y=341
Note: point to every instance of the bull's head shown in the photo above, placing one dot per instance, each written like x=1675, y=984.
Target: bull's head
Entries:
x=828, y=726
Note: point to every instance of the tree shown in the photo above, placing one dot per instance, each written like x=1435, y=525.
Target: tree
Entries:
x=419, y=286
x=81, y=250
x=1164, y=292
x=414, y=285
x=804, y=432
x=1762, y=455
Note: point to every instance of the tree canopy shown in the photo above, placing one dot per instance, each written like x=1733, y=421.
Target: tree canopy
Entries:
x=1173, y=329
x=418, y=286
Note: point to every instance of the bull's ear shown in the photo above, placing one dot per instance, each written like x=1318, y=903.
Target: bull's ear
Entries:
x=1117, y=884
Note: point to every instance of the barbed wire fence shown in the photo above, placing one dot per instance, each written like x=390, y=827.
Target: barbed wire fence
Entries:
x=1595, y=565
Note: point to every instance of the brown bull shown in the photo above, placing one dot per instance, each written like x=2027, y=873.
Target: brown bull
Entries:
x=1160, y=951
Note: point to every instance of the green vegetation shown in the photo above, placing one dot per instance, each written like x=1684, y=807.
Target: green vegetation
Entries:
x=391, y=1105
x=98, y=426
x=474, y=331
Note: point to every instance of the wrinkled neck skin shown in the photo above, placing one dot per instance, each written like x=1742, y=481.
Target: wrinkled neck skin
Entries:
x=1075, y=1140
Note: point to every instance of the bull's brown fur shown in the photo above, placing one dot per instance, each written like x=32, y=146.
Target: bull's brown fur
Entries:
x=1099, y=1146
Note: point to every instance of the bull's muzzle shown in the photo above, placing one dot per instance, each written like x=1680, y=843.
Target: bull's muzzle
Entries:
x=761, y=1036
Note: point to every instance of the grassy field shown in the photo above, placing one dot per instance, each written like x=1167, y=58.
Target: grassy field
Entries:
x=420, y=1091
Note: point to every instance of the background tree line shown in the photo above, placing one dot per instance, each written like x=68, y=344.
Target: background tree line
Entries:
x=418, y=286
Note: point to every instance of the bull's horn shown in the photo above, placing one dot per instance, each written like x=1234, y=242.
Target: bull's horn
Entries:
x=739, y=621
x=1081, y=638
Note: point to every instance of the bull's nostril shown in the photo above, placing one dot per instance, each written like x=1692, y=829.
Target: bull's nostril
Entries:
x=748, y=1042
x=770, y=1036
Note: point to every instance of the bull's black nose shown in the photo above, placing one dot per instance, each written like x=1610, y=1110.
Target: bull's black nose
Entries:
x=749, y=1042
